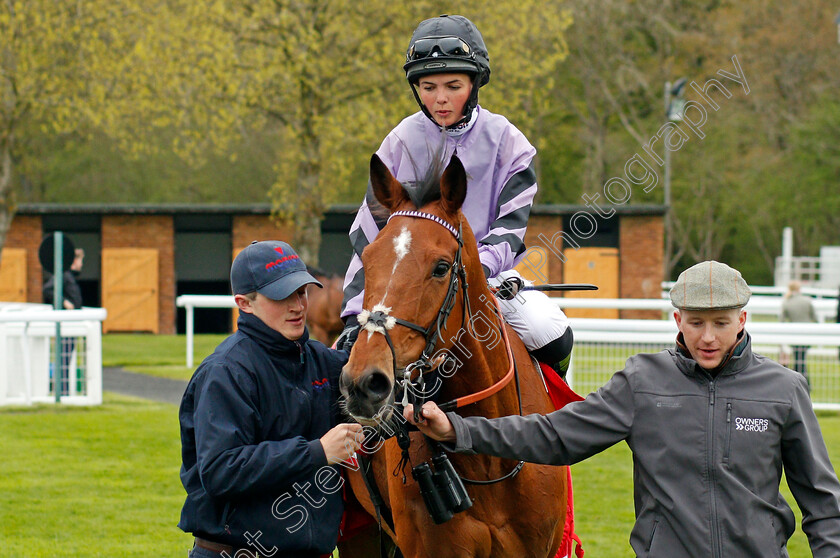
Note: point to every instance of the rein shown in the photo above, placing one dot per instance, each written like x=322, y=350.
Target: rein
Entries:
x=495, y=388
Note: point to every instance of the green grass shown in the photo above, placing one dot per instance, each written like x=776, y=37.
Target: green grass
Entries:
x=103, y=481
x=91, y=481
x=156, y=355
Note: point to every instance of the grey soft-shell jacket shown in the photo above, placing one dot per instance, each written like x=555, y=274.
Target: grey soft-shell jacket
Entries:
x=708, y=453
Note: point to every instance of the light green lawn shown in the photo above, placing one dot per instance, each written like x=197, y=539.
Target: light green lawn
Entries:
x=103, y=481
x=156, y=355
x=91, y=481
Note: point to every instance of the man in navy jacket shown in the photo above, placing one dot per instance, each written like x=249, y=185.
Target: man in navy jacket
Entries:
x=260, y=431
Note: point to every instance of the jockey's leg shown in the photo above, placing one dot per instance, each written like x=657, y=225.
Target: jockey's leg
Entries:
x=541, y=324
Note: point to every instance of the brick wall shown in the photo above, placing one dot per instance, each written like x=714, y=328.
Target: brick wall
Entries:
x=548, y=226
x=148, y=231
x=26, y=232
x=641, y=242
x=247, y=228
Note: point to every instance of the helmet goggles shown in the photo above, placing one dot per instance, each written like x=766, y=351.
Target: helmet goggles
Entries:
x=432, y=47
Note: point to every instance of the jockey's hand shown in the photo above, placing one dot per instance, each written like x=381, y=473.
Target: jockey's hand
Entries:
x=433, y=422
x=509, y=288
x=348, y=336
x=342, y=442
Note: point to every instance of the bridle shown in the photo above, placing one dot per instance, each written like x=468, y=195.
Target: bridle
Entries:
x=379, y=320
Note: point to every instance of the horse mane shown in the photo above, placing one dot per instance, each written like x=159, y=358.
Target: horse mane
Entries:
x=424, y=189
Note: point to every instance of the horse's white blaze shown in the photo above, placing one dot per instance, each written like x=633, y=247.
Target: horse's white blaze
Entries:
x=402, y=244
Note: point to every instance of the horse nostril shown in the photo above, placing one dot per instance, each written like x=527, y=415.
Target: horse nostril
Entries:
x=375, y=385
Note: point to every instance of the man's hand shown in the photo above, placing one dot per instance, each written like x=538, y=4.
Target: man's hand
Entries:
x=341, y=442
x=433, y=422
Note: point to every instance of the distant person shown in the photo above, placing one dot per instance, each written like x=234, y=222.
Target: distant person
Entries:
x=72, y=300
x=260, y=423
x=798, y=308
x=711, y=425
x=72, y=293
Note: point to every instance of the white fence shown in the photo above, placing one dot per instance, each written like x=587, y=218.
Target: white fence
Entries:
x=808, y=290
x=603, y=346
x=190, y=303
x=769, y=306
x=27, y=350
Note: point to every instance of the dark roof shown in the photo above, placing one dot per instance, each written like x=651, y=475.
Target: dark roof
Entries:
x=570, y=209
x=265, y=209
x=141, y=208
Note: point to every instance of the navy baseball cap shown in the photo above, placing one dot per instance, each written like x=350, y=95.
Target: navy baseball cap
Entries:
x=271, y=268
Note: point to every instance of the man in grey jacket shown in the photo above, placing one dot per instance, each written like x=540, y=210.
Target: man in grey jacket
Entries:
x=711, y=426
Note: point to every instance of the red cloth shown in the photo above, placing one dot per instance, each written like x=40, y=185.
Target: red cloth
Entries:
x=561, y=394
x=355, y=518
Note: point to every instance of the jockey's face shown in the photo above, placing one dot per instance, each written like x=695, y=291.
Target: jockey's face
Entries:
x=444, y=96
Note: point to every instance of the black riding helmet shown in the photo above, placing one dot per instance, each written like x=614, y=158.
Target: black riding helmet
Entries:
x=447, y=44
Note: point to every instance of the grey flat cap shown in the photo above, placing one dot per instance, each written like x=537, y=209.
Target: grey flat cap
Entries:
x=710, y=285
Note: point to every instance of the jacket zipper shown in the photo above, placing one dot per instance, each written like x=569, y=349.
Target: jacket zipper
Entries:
x=300, y=348
x=710, y=464
x=728, y=443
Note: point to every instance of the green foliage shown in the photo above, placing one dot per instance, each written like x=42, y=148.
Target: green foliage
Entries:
x=212, y=101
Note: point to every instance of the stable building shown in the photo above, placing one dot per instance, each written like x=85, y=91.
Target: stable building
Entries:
x=139, y=258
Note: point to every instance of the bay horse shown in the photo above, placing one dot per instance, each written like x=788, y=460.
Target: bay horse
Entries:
x=324, y=314
x=413, y=314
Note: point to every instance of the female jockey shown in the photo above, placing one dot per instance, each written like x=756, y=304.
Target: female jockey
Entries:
x=446, y=64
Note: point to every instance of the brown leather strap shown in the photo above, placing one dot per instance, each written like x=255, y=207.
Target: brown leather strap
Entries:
x=213, y=546
x=219, y=548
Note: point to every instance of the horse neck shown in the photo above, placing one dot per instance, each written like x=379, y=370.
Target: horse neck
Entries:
x=480, y=346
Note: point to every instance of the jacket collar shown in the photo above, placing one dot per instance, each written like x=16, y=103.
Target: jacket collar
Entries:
x=735, y=361
x=269, y=339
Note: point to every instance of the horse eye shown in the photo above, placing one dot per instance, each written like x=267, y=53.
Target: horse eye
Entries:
x=441, y=269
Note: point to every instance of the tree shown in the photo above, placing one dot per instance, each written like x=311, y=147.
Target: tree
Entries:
x=88, y=68
x=328, y=74
x=44, y=88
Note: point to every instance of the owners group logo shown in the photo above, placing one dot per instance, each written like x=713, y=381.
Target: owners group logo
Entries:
x=751, y=424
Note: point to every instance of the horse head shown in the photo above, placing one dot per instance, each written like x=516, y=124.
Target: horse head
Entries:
x=415, y=275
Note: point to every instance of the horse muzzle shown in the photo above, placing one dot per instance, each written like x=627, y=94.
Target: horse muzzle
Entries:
x=369, y=396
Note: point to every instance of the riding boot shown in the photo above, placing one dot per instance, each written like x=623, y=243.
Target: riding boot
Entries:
x=558, y=353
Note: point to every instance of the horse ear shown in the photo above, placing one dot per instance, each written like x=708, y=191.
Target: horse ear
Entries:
x=387, y=190
x=453, y=185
